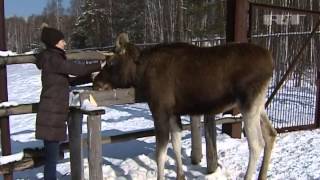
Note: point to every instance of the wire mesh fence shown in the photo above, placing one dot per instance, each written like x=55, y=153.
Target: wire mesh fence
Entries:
x=294, y=106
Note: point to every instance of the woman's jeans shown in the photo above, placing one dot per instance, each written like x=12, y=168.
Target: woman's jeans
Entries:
x=51, y=149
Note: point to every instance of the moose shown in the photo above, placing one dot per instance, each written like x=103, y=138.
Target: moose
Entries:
x=179, y=78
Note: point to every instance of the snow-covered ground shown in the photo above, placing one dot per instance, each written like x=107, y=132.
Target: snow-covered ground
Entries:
x=293, y=106
x=296, y=155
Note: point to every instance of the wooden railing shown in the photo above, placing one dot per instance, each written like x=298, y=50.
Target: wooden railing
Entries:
x=71, y=55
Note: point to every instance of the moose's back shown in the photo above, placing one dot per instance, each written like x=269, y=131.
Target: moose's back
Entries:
x=190, y=79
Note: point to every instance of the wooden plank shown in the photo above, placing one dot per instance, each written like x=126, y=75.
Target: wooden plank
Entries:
x=20, y=109
x=110, y=97
x=85, y=55
x=92, y=112
x=19, y=59
x=33, y=108
x=127, y=136
x=23, y=164
x=211, y=143
x=233, y=129
x=72, y=55
x=76, y=145
x=150, y=132
x=196, y=142
x=135, y=135
x=32, y=158
x=94, y=147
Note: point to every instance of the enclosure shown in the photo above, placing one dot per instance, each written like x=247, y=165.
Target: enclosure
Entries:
x=290, y=32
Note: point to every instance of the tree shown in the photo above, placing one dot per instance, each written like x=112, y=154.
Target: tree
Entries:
x=53, y=13
x=128, y=16
x=89, y=26
x=179, y=30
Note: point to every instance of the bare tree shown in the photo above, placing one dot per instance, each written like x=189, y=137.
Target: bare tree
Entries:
x=179, y=27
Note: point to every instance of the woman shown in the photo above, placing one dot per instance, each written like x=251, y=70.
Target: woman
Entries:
x=54, y=99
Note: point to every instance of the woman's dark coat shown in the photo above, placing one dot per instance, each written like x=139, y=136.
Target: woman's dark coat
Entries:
x=54, y=100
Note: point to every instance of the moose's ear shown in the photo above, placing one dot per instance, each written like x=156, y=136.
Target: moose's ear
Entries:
x=121, y=41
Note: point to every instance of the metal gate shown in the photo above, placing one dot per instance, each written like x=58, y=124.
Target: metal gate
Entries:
x=286, y=32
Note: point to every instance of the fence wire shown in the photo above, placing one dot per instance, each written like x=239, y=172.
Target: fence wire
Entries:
x=294, y=106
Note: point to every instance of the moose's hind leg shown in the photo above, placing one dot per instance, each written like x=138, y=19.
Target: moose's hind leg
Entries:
x=251, y=117
x=175, y=128
x=269, y=135
x=162, y=138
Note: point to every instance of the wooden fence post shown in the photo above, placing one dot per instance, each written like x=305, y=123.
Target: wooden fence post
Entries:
x=94, y=146
x=76, y=145
x=4, y=121
x=237, y=28
x=196, y=143
x=233, y=129
x=211, y=143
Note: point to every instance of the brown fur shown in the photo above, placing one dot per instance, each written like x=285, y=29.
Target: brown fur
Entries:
x=179, y=78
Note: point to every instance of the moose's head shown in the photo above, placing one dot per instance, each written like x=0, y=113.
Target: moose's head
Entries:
x=120, y=71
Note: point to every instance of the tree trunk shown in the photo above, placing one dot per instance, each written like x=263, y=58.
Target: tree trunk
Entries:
x=179, y=28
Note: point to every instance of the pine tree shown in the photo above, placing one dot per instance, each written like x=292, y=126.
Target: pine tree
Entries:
x=89, y=26
x=128, y=16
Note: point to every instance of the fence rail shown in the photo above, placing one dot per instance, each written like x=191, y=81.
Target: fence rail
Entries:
x=72, y=55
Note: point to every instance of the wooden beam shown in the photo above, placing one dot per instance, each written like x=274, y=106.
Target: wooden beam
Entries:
x=86, y=55
x=76, y=145
x=18, y=110
x=150, y=132
x=111, y=97
x=211, y=142
x=94, y=147
x=103, y=98
x=4, y=121
x=237, y=28
x=33, y=108
x=196, y=143
x=73, y=55
x=32, y=157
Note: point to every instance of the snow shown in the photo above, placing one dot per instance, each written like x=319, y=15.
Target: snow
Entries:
x=7, y=53
x=15, y=157
x=89, y=106
x=295, y=155
x=8, y=104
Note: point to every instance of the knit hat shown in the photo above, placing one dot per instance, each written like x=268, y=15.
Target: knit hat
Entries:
x=51, y=36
